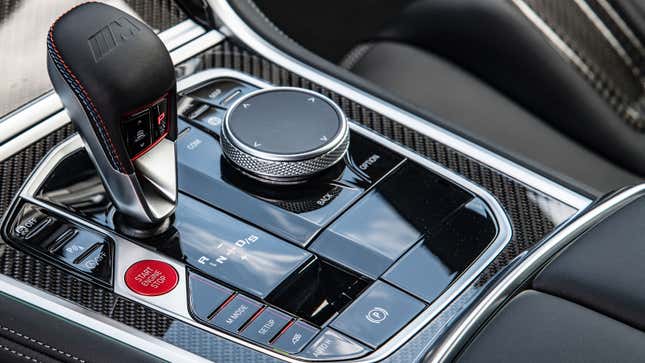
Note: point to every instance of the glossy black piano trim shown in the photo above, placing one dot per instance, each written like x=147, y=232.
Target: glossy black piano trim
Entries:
x=84, y=252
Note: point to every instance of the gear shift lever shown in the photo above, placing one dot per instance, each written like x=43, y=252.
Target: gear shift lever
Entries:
x=117, y=81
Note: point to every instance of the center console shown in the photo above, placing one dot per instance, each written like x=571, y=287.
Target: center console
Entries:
x=283, y=225
x=327, y=258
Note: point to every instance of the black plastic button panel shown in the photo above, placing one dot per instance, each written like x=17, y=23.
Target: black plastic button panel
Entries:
x=296, y=214
x=439, y=259
x=220, y=307
x=80, y=250
x=383, y=225
x=205, y=296
x=206, y=106
x=206, y=117
x=378, y=314
x=232, y=251
x=211, y=120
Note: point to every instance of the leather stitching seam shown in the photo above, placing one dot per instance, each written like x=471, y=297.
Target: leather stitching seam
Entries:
x=21, y=355
x=11, y=331
x=82, y=94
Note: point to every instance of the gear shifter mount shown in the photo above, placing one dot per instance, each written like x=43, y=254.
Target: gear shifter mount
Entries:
x=117, y=82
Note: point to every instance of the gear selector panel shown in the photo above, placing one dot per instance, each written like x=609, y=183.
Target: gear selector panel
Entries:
x=297, y=229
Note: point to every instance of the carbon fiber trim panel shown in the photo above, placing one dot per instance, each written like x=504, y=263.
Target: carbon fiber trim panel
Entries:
x=612, y=61
x=159, y=14
x=533, y=216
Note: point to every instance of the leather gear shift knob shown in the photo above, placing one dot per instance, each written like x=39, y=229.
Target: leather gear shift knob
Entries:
x=117, y=82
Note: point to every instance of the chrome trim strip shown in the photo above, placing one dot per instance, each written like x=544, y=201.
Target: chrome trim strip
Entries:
x=98, y=322
x=36, y=132
x=471, y=322
x=196, y=46
x=606, y=33
x=235, y=26
x=181, y=34
x=175, y=304
x=30, y=114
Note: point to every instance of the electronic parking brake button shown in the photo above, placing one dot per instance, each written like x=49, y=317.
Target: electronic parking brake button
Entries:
x=332, y=345
x=235, y=312
x=378, y=314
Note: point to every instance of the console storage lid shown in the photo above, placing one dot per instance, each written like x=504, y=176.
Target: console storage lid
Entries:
x=603, y=269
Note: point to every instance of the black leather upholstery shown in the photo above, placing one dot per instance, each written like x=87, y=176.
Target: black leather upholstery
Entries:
x=540, y=328
x=28, y=334
x=586, y=304
x=604, y=268
x=481, y=111
x=496, y=42
x=96, y=77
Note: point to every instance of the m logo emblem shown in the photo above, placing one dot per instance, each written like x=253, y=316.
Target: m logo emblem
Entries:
x=111, y=36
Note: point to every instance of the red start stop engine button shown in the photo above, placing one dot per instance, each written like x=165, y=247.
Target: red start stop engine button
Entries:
x=151, y=278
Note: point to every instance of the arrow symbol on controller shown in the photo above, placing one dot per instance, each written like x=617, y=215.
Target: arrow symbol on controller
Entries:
x=246, y=105
x=311, y=99
x=256, y=144
x=324, y=138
